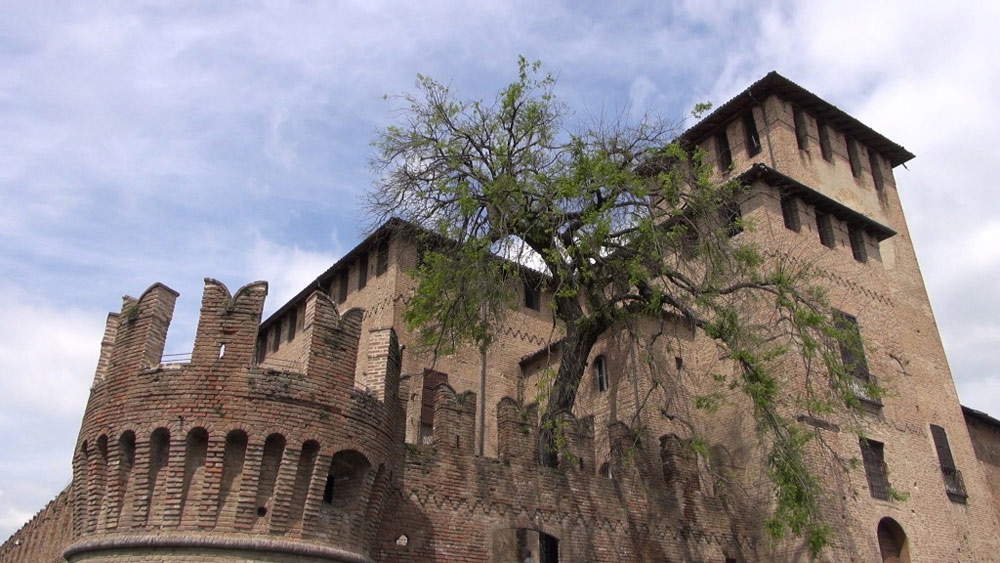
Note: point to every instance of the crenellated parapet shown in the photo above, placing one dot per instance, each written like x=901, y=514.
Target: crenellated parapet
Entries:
x=209, y=450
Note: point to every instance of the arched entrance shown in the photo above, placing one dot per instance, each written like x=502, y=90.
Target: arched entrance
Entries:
x=892, y=542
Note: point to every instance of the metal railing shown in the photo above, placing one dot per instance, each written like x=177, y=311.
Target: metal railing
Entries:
x=954, y=484
x=182, y=358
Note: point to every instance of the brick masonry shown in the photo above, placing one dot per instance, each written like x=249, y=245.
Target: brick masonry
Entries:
x=322, y=434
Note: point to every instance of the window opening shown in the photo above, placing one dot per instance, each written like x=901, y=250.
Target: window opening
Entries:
x=342, y=285
x=857, y=237
x=852, y=155
x=954, y=485
x=824, y=224
x=824, y=141
x=801, y=135
x=431, y=380
x=532, y=297
x=293, y=323
x=382, y=259
x=363, y=271
x=731, y=214
x=876, y=170
x=601, y=373
x=790, y=213
x=873, y=458
x=750, y=128
x=722, y=151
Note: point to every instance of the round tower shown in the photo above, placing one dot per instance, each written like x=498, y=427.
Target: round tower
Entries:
x=217, y=458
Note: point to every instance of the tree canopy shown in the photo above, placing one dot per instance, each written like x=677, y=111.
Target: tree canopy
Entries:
x=623, y=223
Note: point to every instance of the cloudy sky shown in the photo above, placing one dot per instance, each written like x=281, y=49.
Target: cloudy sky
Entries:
x=143, y=142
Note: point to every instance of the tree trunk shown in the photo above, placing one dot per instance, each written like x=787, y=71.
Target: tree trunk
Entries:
x=576, y=349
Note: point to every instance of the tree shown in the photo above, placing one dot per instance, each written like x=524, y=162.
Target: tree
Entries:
x=625, y=224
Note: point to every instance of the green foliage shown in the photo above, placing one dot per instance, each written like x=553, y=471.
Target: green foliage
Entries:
x=626, y=224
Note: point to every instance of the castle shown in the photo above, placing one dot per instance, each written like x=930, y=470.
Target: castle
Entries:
x=317, y=435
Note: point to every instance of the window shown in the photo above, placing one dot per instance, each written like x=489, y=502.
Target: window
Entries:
x=824, y=224
x=342, y=285
x=873, y=458
x=431, y=380
x=363, y=271
x=824, y=141
x=750, y=128
x=261, y=347
x=382, y=258
x=722, y=151
x=276, y=336
x=731, y=214
x=601, y=373
x=852, y=353
x=954, y=485
x=852, y=155
x=293, y=323
x=801, y=135
x=857, y=236
x=790, y=213
x=876, y=170
x=532, y=297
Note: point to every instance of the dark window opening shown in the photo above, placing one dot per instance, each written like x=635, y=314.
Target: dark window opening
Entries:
x=382, y=258
x=363, y=271
x=824, y=141
x=678, y=363
x=345, y=479
x=722, y=151
x=954, y=485
x=342, y=286
x=873, y=458
x=532, y=296
x=328, y=490
x=876, y=170
x=852, y=353
x=892, y=544
x=276, y=336
x=801, y=134
x=857, y=237
x=750, y=128
x=852, y=155
x=431, y=380
x=824, y=224
x=549, y=548
x=293, y=323
x=601, y=373
x=731, y=216
x=261, y=348
x=790, y=213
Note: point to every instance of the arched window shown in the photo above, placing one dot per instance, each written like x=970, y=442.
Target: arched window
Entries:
x=601, y=373
x=524, y=544
x=346, y=477
x=892, y=543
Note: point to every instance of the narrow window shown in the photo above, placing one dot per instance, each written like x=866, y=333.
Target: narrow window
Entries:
x=750, y=128
x=363, y=271
x=824, y=141
x=790, y=212
x=801, y=135
x=382, y=259
x=431, y=380
x=601, y=373
x=261, y=348
x=342, y=285
x=549, y=548
x=731, y=216
x=852, y=155
x=276, y=336
x=722, y=151
x=678, y=363
x=954, y=485
x=293, y=323
x=876, y=170
x=301, y=315
x=857, y=236
x=532, y=297
x=824, y=224
x=873, y=458
x=852, y=353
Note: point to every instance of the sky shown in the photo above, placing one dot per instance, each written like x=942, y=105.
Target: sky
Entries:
x=144, y=142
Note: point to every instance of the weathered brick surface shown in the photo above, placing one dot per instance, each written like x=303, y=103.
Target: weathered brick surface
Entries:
x=226, y=457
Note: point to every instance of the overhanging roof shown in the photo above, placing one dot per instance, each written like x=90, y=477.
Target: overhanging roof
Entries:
x=774, y=83
x=822, y=202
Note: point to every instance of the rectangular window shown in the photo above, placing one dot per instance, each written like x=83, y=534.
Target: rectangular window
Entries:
x=731, y=216
x=790, y=213
x=873, y=458
x=382, y=258
x=801, y=134
x=342, y=282
x=300, y=317
x=363, y=271
x=852, y=155
x=857, y=236
x=750, y=128
x=876, y=170
x=261, y=347
x=293, y=323
x=431, y=380
x=722, y=151
x=824, y=141
x=954, y=485
x=532, y=297
x=601, y=373
x=824, y=224
x=852, y=354
x=276, y=336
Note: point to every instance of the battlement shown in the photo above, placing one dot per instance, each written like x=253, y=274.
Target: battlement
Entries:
x=188, y=452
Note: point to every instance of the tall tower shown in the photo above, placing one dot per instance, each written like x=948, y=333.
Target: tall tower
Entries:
x=217, y=457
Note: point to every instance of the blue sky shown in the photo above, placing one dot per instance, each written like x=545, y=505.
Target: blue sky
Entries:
x=145, y=142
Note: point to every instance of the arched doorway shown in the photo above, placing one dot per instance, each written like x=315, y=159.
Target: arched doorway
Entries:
x=892, y=542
